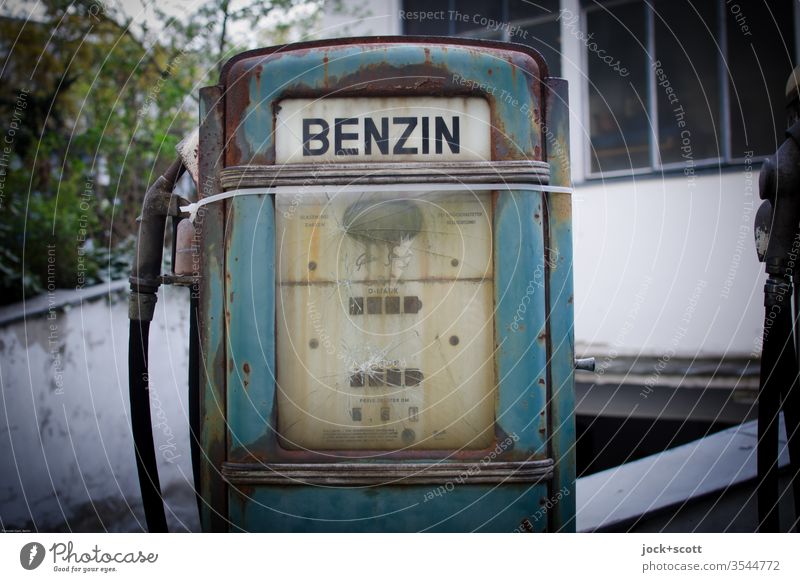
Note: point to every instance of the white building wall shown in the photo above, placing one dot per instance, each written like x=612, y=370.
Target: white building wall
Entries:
x=661, y=265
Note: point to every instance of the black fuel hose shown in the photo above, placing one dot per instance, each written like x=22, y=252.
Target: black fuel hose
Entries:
x=194, y=394
x=790, y=405
x=146, y=464
x=145, y=280
x=779, y=372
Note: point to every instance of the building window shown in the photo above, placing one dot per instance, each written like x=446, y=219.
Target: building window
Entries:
x=531, y=23
x=617, y=95
x=682, y=84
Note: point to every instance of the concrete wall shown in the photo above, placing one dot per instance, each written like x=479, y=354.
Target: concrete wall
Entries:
x=360, y=18
x=66, y=453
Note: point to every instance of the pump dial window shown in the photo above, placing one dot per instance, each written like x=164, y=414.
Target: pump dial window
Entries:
x=387, y=342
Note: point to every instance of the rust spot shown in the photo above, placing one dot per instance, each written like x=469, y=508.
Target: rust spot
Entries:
x=542, y=336
x=541, y=381
x=246, y=379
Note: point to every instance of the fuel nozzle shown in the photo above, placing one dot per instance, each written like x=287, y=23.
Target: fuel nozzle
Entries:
x=779, y=184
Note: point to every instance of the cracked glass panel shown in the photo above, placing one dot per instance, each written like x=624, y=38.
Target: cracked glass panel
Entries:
x=385, y=321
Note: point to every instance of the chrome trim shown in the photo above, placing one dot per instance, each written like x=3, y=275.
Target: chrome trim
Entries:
x=515, y=171
x=415, y=473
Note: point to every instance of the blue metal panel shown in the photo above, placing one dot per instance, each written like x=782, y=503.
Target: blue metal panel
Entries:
x=519, y=319
x=250, y=271
x=560, y=307
x=416, y=508
x=211, y=291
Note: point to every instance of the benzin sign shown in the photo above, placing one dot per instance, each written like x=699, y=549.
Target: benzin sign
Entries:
x=391, y=129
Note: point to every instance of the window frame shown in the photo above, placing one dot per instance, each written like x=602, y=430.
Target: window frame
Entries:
x=656, y=166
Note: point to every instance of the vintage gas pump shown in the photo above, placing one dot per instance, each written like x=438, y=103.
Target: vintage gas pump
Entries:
x=383, y=290
x=777, y=231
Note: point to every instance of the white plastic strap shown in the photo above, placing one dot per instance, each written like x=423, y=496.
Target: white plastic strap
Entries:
x=366, y=188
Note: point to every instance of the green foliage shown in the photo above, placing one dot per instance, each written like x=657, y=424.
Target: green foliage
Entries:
x=96, y=103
